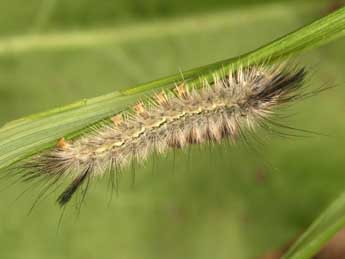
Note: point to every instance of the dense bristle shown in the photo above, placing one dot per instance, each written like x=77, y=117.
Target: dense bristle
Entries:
x=230, y=104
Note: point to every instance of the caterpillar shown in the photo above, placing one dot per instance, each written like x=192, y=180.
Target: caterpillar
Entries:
x=224, y=107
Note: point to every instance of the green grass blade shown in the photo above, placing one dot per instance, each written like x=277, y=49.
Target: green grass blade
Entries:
x=27, y=136
x=323, y=228
x=316, y=34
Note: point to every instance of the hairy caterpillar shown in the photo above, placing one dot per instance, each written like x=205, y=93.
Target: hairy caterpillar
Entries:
x=225, y=107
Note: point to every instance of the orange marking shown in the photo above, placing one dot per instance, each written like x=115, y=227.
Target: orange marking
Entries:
x=181, y=90
x=117, y=119
x=139, y=108
x=161, y=98
x=61, y=143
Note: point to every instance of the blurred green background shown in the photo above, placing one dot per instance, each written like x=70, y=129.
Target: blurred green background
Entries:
x=215, y=202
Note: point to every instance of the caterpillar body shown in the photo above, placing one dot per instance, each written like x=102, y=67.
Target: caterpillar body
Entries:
x=224, y=107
